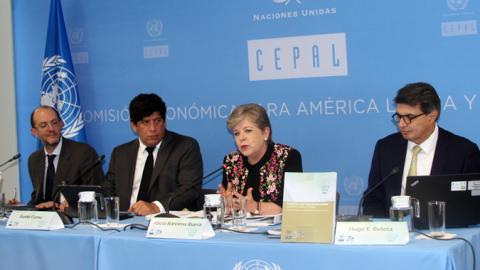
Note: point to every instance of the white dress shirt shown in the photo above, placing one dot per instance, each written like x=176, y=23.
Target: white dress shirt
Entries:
x=424, y=157
x=55, y=152
x=139, y=165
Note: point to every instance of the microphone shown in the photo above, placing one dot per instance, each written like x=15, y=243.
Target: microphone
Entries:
x=395, y=170
x=172, y=197
x=88, y=169
x=359, y=216
x=63, y=216
x=17, y=156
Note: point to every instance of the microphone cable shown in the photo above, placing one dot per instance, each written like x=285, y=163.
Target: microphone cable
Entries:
x=135, y=226
x=244, y=232
x=91, y=223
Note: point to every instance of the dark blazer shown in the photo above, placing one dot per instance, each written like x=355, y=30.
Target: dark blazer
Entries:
x=178, y=172
x=74, y=158
x=453, y=155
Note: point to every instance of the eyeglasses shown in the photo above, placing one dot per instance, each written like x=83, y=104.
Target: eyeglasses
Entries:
x=406, y=118
x=54, y=124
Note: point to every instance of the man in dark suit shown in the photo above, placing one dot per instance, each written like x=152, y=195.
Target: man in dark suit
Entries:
x=419, y=148
x=59, y=161
x=159, y=171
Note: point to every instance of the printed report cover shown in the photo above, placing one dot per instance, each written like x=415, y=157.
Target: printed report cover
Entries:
x=309, y=207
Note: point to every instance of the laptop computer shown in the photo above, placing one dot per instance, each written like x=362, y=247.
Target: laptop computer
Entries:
x=70, y=192
x=461, y=192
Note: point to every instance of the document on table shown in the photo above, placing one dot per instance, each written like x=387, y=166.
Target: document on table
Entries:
x=309, y=207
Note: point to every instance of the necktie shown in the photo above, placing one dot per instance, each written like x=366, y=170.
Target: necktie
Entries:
x=413, y=165
x=49, y=179
x=147, y=174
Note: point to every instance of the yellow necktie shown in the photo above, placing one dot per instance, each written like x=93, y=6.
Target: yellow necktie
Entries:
x=413, y=164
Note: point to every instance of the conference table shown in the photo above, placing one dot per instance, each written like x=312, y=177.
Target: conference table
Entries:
x=87, y=247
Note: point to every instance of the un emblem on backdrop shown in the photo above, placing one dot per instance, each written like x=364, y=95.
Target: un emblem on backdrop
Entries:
x=285, y=2
x=59, y=90
x=256, y=265
x=76, y=36
x=154, y=28
x=353, y=185
x=456, y=5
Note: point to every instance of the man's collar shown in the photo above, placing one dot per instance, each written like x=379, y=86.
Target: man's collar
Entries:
x=429, y=144
x=142, y=146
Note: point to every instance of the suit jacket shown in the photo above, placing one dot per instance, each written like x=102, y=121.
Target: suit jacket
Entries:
x=74, y=158
x=177, y=173
x=453, y=155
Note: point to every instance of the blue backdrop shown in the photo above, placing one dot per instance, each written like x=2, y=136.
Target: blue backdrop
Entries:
x=325, y=70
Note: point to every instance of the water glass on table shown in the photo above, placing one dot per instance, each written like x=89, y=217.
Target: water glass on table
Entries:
x=112, y=210
x=436, y=218
x=239, y=212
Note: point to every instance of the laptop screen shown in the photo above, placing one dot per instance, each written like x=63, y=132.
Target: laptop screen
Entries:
x=461, y=192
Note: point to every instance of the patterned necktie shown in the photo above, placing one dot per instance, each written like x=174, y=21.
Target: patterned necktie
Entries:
x=413, y=165
x=147, y=174
x=49, y=179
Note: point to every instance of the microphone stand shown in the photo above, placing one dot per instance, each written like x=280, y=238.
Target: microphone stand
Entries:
x=17, y=156
x=2, y=194
x=359, y=216
x=170, y=199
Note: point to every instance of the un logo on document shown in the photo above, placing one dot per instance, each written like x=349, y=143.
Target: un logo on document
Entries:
x=353, y=185
x=256, y=265
x=456, y=5
x=59, y=90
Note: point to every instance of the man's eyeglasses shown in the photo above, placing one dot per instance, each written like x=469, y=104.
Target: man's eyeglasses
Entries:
x=406, y=118
x=54, y=123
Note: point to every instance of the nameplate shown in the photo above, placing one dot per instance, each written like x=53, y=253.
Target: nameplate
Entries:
x=180, y=228
x=34, y=220
x=372, y=233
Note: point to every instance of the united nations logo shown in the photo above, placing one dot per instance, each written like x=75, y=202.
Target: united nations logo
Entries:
x=256, y=265
x=457, y=5
x=154, y=28
x=353, y=185
x=285, y=2
x=59, y=90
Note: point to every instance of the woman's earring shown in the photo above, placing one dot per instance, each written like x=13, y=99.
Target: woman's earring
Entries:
x=265, y=139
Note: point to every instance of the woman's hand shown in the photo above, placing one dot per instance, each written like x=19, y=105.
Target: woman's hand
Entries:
x=251, y=205
x=227, y=194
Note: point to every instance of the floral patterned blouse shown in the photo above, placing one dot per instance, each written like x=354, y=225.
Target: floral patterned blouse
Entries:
x=266, y=176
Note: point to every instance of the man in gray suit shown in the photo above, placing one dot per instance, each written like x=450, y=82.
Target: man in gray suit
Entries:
x=59, y=161
x=159, y=171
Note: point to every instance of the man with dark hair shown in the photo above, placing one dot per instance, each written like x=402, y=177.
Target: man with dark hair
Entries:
x=419, y=148
x=59, y=161
x=159, y=171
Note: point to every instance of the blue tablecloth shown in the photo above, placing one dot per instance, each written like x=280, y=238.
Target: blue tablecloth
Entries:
x=86, y=247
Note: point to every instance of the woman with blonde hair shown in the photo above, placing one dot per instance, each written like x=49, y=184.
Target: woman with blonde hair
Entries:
x=257, y=169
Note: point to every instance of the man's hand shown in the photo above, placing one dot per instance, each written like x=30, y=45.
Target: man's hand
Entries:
x=142, y=208
x=45, y=205
x=63, y=206
x=51, y=205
